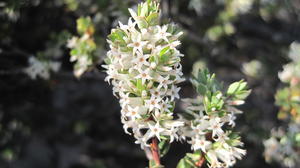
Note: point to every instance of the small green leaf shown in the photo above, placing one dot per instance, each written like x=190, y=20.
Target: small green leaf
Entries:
x=183, y=164
x=238, y=90
x=83, y=24
x=164, y=51
x=164, y=147
x=201, y=88
x=140, y=85
x=152, y=164
x=144, y=10
x=74, y=52
x=153, y=19
x=141, y=22
x=189, y=161
x=233, y=88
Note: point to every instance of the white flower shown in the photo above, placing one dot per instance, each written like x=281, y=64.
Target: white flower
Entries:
x=141, y=59
x=141, y=142
x=173, y=134
x=174, y=44
x=225, y=156
x=163, y=82
x=133, y=112
x=162, y=33
x=144, y=75
x=216, y=126
x=231, y=119
x=154, y=130
x=238, y=153
x=40, y=68
x=241, y=6
x=174, y=92
x=153, y=103
x=137, y=44
x=213, y=160
x=201, y=143
x=157, y=92
x=201, y=127
x=294, y=52
x=72, y=42
x=165, y=106
x=287, y=73
x=130, y=27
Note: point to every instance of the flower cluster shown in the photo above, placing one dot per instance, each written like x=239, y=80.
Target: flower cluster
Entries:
x=40, y=67
x=291, y=71
x=83, y=48
x=143, y=65
x=208, y=119
x=284, y=144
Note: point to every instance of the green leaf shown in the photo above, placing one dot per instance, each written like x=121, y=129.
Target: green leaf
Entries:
x=107, y=61
x=189, y=161
x=164, y=147
x=152, y=164
x=234, y=87
x=140, y=85
x=201, y=88
x=153, y=19
x=164, y=51
x=163, y=54
x=184, y=164
x=141, y=22
x=144, y=10
x=74, y=52
x=297, y=138
x=238, y=90
x=83, y=24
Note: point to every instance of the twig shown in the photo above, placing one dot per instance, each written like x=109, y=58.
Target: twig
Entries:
x=155, y=151
x=201, y=161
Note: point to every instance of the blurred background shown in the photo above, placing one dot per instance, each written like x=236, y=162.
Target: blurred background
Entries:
x=56, y=120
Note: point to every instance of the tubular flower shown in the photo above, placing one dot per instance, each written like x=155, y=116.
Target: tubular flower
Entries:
x=143, y=65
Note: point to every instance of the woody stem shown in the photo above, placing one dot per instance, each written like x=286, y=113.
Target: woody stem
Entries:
x=201, y=161
x=155, y=151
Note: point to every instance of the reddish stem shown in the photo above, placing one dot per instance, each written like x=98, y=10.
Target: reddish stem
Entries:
x=155, y=151
x=200, y=161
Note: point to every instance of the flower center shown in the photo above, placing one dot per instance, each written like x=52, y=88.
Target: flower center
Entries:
x=136, y=44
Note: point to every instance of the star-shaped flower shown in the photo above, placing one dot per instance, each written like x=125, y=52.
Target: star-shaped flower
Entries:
x=201, y=143
x=153, y=103
x=165, y=106
x=155, y=130
x=130, y=27
x=157, y=92
x=133, y=113
x=137, y=44
x=174, y=92
x=162, y=33
x=164, y=82
x=141, y=59
x=216, y=126
x=144, y=75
